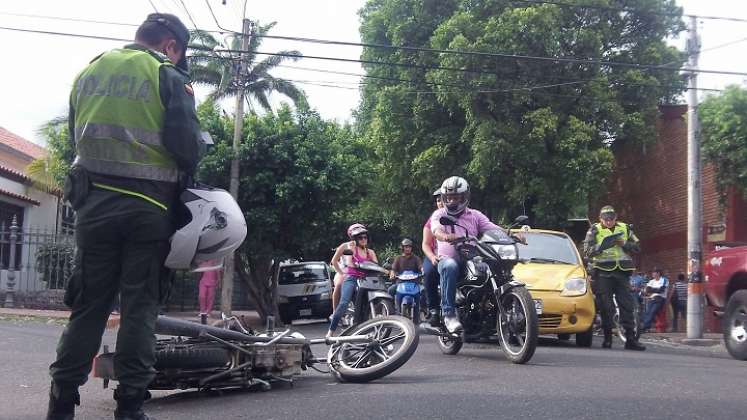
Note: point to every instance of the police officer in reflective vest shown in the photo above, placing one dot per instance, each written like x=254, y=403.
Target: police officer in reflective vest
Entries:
x=611, y=270
x=137, y=138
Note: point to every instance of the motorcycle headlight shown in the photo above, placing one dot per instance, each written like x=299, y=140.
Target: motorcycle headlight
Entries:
x=575, y=286
x=506, y=252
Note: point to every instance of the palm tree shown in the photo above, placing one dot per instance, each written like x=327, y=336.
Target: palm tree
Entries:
x=219, y=69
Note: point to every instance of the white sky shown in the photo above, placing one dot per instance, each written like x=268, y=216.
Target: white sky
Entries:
x=37, y=72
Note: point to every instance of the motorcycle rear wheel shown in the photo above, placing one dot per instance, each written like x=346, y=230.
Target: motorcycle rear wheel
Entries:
x=450, y=345
x=518, y=327
x=393, y=341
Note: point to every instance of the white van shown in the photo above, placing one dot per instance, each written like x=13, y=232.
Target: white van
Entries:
x=304, y=291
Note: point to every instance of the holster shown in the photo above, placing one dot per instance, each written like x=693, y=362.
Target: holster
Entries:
x=77, y=187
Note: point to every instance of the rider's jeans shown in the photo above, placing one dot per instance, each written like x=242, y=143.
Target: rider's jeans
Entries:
x=448, y=269
x=348, y=289
x=430, y=273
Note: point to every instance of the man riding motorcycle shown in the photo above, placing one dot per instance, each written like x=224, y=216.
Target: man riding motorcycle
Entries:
x=455, y=194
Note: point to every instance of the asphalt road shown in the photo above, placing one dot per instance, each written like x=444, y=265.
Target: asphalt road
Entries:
x=560, y=382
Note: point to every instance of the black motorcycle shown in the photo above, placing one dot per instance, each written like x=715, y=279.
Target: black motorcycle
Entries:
x=489, y=301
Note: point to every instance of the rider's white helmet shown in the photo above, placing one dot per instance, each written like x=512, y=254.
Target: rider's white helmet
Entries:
x=452, y=186
x=216, y=229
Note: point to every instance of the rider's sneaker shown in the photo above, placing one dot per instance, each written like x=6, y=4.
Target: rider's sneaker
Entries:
x=451, y=321
x=434, y=318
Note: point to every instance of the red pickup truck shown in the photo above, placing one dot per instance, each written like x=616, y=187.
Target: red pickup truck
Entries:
x=726, y=290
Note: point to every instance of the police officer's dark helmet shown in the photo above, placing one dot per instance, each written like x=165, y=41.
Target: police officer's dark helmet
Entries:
x=158, y=26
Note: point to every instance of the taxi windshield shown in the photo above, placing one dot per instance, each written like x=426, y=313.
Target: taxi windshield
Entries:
x=548, y=248
x=302, y=274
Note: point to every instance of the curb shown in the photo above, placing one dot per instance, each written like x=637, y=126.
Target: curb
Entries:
x=702, y=342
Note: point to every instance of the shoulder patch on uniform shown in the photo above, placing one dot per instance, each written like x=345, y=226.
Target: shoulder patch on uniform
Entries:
x=188, y=89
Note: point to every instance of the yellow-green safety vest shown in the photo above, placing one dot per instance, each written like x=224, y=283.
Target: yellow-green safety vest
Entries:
x=119, y=117
x=614, y=258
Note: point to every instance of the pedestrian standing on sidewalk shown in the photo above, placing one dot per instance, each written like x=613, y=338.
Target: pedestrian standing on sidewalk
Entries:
x=612, y=266
x=679, y=300
x=137, y=139
x=656, y=289
x=208, y=283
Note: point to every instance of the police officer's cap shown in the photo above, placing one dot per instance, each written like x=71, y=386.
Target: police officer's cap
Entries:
x=607, y=210
x=173, y=24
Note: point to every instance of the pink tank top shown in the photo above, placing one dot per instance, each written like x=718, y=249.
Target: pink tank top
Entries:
x=352, y=271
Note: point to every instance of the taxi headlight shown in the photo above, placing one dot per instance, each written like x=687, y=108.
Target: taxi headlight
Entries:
x=324, y=296
x=506, y=252
x=575, y=286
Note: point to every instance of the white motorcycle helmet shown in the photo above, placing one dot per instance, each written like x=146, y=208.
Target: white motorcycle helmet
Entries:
x=455, y=185
x=216, y=229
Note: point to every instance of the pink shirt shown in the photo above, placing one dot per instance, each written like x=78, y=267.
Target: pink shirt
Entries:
x=357, y=258
x=434, y=245
x=475, y=222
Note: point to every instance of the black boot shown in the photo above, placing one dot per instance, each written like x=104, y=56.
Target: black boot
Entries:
x=607, y=342
x=434, y=318
x=62, y=402
x=130, y=403
x=632, y=343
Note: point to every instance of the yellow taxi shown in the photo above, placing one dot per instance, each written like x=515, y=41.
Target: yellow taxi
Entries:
x=554, y=273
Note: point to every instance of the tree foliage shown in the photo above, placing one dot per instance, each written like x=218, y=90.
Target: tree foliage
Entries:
x=299, y=178
x=220, y=69
x=723, y=121
x=50, y=171
x=528, y=134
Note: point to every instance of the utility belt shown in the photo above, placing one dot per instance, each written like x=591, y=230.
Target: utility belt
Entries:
x=78, y=186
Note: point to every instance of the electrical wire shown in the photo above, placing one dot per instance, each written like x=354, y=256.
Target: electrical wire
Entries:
x=189, y=15
x=216, y=19
x=627, y=10
x=726, y=44
x=153, y=5
x=406, y=65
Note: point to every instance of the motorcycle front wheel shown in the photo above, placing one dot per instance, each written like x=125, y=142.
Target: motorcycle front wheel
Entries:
x=392, y=341
x=517, y=327
x=381, y=307
x=449, y=345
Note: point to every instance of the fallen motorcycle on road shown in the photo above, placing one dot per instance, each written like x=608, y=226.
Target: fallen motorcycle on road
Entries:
x=207, y=357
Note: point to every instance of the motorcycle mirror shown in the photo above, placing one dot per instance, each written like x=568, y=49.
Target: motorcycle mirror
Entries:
x=447, y=221
x=521, y=219
x=347, y=252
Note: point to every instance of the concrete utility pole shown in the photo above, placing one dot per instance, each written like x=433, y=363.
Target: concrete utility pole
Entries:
x=226, y=295
x=694, y=195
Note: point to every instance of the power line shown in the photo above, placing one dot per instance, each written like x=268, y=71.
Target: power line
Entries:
x=425, y=67
x=726, y=44
x=189, y=15
x=627, y=10
x=153, y=5
x=216, y=19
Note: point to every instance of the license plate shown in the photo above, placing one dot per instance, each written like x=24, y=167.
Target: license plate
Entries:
x=304, y=312
x=538, y=306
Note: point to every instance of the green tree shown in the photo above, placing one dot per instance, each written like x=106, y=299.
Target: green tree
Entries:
x=299, y=179
x=723, y=121
x=532, y=135
x=50, y=172
x=219, y=69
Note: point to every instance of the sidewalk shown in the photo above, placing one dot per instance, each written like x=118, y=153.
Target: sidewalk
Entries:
x=709, y=339
x=250, y=318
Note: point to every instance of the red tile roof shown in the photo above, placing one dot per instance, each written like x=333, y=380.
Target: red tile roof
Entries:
x=21, y=145
x=19, y=197
x=10, y=173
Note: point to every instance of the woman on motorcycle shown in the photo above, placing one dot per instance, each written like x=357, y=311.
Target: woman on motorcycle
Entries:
x=430, y=262
x=361, y=253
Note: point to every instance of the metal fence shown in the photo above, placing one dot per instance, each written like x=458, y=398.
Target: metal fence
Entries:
x=34, y=259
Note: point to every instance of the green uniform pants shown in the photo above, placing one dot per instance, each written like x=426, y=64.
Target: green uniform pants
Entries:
x=122, y=245
x=614, y=283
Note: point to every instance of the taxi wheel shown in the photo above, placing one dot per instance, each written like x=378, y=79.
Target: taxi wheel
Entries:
x=584, y=339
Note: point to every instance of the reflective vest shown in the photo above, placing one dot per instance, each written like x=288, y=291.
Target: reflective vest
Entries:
x=614, y=258
x=119, y=117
